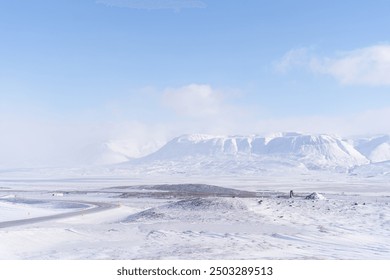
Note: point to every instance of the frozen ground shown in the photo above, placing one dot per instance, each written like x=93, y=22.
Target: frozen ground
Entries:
x=253, y=219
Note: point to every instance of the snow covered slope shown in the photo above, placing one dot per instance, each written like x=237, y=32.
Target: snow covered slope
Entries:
x=376, y=149
x=248, y=152
x=377, y=169
x=315, y=150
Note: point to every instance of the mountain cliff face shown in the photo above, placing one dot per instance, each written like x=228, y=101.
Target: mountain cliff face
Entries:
x=314, y=151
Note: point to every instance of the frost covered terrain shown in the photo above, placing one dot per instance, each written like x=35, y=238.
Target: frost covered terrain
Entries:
x=207, y=197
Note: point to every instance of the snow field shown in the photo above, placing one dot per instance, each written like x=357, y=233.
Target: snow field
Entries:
x=271, y=226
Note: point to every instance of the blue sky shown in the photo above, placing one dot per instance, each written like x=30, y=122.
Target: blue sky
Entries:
x=157, y=68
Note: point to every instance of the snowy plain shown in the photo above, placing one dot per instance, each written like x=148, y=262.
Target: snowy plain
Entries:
x=259, y=221
x=202, y=207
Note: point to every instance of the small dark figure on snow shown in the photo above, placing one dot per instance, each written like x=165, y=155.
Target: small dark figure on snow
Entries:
x=291, y=193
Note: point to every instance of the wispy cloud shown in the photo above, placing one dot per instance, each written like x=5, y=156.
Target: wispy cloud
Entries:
x=292, y=59
x=366, y=66
x=176, y=5
x=194, y=100
x=203, y=108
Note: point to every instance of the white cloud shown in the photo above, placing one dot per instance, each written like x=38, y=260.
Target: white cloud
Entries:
x=366, y=66
x=200, y=108
x=176, y=5
x=195, y=100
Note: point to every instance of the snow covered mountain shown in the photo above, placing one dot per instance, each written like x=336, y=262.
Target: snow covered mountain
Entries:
x=376, y=149
x=200, y=156
x=311, y=151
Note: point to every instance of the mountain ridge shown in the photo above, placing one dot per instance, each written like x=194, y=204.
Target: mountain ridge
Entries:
x=320, y=151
